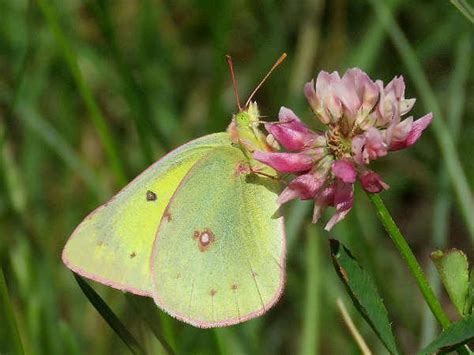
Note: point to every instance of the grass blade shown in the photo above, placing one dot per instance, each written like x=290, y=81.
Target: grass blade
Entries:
x=98, y=119
x=12, y=174
x=109, y=316
x=10, y=340
x=464, y=8
x=364, y=294
x=151, y=317
x=364, y=349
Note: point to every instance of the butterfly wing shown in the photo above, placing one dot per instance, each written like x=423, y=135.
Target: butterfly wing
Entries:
x=218, y=258
x=114, y=243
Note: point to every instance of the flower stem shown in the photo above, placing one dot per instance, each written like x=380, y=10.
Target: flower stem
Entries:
x=407, y=254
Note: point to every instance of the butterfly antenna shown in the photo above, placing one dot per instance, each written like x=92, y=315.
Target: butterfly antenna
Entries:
x=277, y=63
x=234, y=82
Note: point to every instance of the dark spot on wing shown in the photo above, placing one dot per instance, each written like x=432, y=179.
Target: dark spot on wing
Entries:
x=132, y=255
x=204, y=238
x=213, y=292
x=234, y=287
x=168, y=216
x=150, y=196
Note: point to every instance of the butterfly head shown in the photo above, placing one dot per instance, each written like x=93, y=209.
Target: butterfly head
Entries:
x=244, y=128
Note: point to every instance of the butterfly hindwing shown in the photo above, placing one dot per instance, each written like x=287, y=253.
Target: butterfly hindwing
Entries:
x=114, y=243
x=218, y=258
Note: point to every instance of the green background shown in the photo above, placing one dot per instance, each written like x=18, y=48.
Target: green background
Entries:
x=86, y=106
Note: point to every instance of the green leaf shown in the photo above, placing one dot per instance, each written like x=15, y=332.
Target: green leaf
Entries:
x=109, y=316
x=364, y=293
x=453, y=268
x=456, y=334
x=10, y=341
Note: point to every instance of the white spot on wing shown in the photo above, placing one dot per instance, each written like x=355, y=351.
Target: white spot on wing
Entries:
x=205, y=238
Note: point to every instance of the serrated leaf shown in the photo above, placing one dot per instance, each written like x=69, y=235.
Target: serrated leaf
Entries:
x=453, y=268
x=364, y=293
x=456, y=334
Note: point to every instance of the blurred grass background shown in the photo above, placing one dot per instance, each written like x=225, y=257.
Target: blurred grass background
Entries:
x=92, y=92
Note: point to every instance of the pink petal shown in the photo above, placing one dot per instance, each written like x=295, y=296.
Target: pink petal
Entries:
x=347, y=93
x=303, y=187
x=400, y=132
x=288, y=116
x=370, y=95
x=367, y=93
x=397, y=86
x=324, y=199
x=333, y=105
x=406, y=105
x=358, y=151
x=368, y=146
x=286, y=162
x=383, y=106
x=290, y=132
x=343, y=201
x=315, y=101
x=375, y=145
x=310, y=91
x=389, y=105
x=344, y=170
x=372, y=182
x=324, y=81
x=326, y=87
x=415, y=133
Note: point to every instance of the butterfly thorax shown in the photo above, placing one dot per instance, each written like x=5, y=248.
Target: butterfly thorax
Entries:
x=245, y=133
x=244, y=130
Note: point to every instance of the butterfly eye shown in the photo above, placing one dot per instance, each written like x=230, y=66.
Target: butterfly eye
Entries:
x=242, y=119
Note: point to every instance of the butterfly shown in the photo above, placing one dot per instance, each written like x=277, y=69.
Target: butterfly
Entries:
x=199, y=231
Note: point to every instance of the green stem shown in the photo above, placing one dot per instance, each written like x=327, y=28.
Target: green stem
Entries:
x=407, y=254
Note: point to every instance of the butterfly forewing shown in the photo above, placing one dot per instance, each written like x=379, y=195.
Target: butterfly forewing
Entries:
x=114, y=243
x=218, y=258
